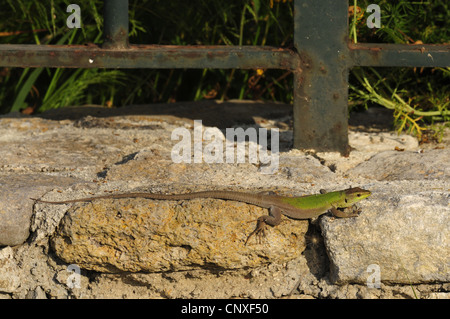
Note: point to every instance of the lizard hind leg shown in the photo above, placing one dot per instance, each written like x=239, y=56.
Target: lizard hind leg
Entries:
x=260, y=229
x=273, y=219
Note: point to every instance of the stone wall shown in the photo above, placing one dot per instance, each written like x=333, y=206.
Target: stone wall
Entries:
x=140, y=248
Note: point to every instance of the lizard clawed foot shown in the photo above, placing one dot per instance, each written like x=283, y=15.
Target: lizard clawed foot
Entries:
x=260, y=230
x=352, y=211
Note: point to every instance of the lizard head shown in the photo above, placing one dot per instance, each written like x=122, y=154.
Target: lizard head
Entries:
x=355, y=194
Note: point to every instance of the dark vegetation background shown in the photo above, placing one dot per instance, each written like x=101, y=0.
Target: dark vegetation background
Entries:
x=419, y=97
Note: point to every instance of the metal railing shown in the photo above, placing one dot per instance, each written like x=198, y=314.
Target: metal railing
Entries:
x=320, y=62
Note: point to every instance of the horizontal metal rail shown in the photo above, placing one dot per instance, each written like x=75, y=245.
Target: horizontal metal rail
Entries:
x=212, y=57
x=402, y=55
x=147, y=56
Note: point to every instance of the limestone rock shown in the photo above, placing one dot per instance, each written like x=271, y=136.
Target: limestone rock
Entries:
x=16, y=207
x=305, y=169
x=9, y=272
x=403, y=234
x=383, y=141
x=151, y=236
x=394, y=165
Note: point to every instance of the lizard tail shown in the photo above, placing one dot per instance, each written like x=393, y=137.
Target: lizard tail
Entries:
x=228, y=195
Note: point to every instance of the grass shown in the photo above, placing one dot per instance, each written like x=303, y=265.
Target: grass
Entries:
x=40, y=89
x=418, y=97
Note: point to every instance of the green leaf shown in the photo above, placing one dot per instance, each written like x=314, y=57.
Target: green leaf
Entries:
x=19, y=102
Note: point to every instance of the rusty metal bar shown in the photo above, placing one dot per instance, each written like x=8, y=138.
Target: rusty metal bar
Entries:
x=147, y=56
x=115, y=14
x=320, y=85
x=156, y=56
x=326, y=55
x=420, y=55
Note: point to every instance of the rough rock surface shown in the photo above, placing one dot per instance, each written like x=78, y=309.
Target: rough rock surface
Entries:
x=142, y=235
x=404, y=234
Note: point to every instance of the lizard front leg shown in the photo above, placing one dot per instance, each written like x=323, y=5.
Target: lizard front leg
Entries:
x=273, y=219
x=352, y=211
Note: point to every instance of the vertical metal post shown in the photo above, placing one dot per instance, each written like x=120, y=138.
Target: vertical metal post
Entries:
x=321, y=82
x=115, y=14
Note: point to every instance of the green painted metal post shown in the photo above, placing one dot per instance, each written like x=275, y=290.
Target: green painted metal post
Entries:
x=321, y=83
x=115, y=14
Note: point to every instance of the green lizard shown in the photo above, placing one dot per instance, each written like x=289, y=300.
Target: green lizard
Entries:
x=340, y=203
